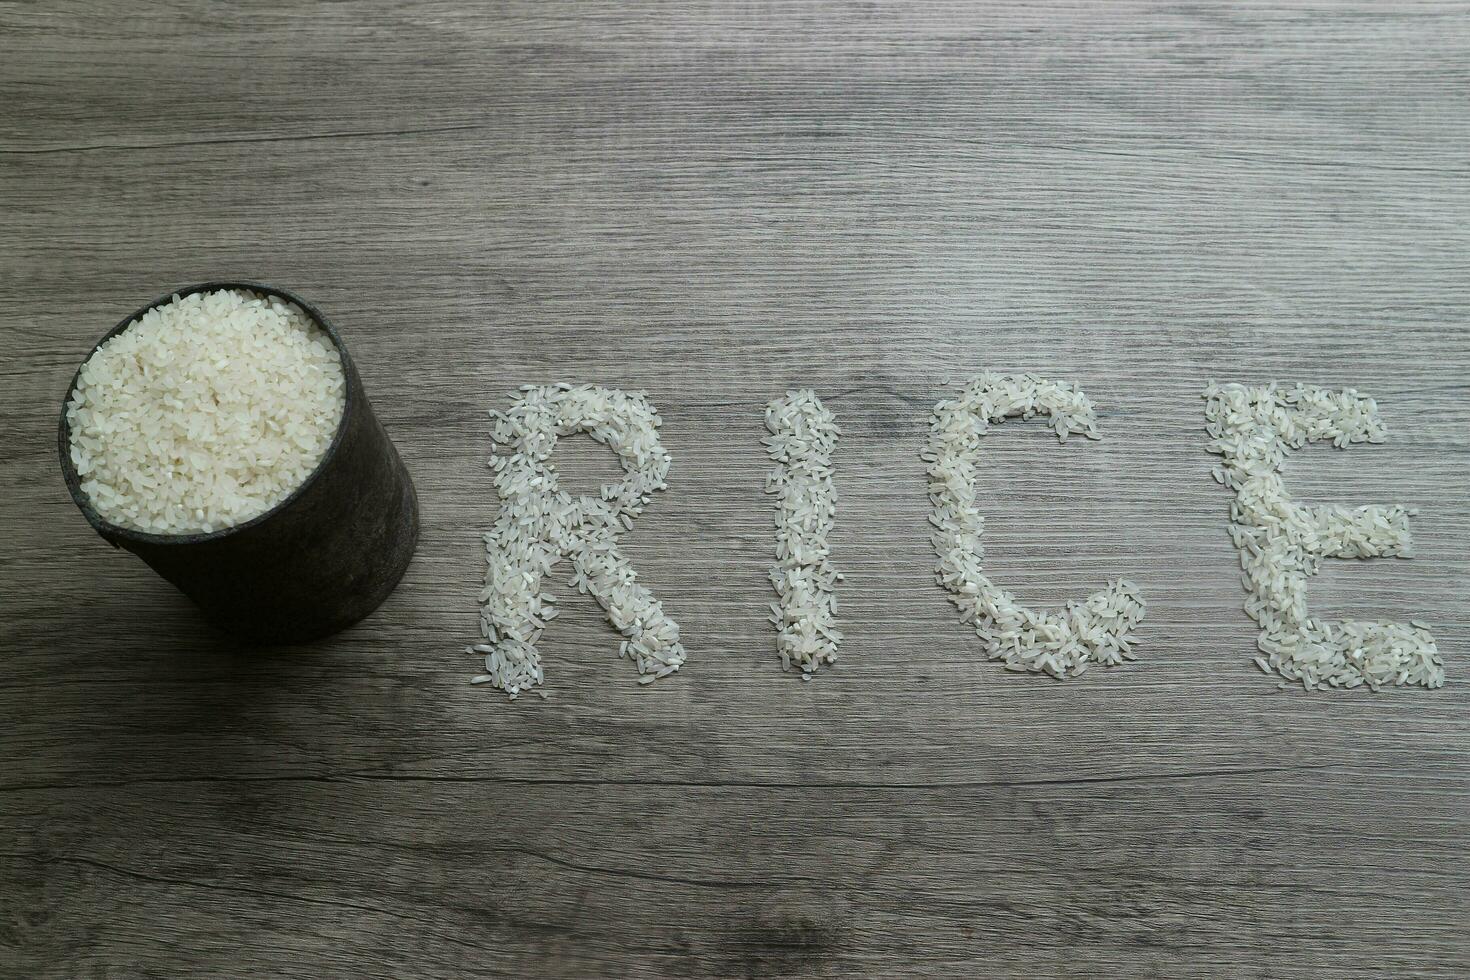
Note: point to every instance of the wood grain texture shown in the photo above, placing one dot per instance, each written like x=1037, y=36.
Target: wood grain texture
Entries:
x=714, y=201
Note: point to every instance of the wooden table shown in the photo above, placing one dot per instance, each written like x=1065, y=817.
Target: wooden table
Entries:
x=714, y=201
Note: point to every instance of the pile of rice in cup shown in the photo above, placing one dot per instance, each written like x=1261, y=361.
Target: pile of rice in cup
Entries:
x=206, y=412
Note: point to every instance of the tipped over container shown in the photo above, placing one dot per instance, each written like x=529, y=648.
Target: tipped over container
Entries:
x=317, y=561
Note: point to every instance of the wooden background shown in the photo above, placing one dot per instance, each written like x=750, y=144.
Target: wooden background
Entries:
x=714, y=201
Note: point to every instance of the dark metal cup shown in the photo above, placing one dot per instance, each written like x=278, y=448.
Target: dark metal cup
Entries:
x=315, y=563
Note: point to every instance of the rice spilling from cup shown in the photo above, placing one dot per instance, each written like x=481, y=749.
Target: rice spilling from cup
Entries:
x=206, y=412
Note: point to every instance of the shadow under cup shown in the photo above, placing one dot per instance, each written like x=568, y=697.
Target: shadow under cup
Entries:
x=318, y=561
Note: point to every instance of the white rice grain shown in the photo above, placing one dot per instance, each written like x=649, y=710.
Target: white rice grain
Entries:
x=803, y=435
x=539, y=524
x=1282, y=544
x=204, y=412
x=1096, y=630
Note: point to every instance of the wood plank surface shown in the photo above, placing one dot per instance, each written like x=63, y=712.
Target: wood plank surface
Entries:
x=714, y=201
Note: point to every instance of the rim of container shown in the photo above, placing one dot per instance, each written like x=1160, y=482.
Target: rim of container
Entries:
x=110, y=530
